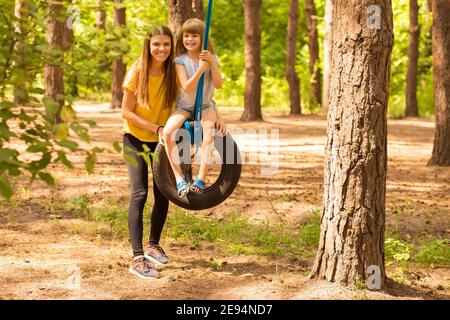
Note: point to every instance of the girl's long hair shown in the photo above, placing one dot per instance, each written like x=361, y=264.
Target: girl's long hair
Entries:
x=195, y=26
x=170, y=76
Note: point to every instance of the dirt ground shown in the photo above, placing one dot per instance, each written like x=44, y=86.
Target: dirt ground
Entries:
x=40, y=254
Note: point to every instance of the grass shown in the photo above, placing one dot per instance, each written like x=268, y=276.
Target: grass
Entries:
x=237, y=235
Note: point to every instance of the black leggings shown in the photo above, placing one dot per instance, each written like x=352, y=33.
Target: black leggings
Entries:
x=139, y=190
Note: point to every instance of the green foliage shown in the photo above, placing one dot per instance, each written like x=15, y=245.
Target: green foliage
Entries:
x=397, y=250
x=399, y=61
x=433, y=252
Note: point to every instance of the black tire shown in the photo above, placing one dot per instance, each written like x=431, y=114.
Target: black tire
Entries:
x=213, y=195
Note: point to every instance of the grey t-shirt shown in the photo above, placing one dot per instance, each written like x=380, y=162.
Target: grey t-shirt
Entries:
x=186, y=100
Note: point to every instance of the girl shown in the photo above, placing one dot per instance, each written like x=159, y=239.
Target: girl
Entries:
x=191, y=62
x=150, y=91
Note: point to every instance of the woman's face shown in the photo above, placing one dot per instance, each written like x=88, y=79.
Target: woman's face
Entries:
x=191, y=41
x=160, y=47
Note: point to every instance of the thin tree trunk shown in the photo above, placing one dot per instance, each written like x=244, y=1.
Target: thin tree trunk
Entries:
x=313, y=45
x=252, y=99
x=197, y=8
x=100, y=15
x=411, y=109
x=441, y=77
x=179, y=12
x=353, y=219
x=59, y=38
x=118, y=67
x=22, y=84
x=291, y=75
x=327, y=43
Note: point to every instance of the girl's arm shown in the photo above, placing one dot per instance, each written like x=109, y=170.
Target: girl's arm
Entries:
x=215, y=72
x=128, y=105
x=190, y=84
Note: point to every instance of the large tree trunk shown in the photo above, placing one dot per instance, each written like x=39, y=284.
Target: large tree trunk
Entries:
x=181, y=10
x=118, y=67
x=22, y=85
x=353, y=218
x=313, y=45
x=252, y=99
x=291, y=75
x=411, y=109
x=59, y=38
x=441, y=76
x=100, y=15
x=327, y=43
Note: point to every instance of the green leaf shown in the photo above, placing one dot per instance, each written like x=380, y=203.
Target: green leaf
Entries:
x=71, y=145
x=90, y=162
x=81, y=132
x=7, y=104
x=43, y=162
x=37, y=90
x=130, y=160
x=4, y=131
x=51, y=105
x=62, y=157
x=67, y=113
x=5, y=188
x=39, y=147
x=6, y=114
x=7, y=153
x=91, y=123
x=117, y=147
x=23, y=116
x=61, y=131
x=47, y=177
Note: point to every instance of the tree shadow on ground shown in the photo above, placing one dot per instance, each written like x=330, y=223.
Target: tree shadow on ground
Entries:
x=396, y=289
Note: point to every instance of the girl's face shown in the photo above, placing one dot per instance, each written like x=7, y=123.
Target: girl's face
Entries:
x=160, y=46
x=191, y=41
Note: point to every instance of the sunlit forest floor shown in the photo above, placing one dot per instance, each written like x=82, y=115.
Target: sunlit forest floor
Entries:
x=46, y=233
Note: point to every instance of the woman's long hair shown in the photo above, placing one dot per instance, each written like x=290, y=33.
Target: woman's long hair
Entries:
x=170, y=76
x=194, y=26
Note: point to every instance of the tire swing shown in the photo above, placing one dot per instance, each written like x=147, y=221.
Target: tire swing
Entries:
x=191, y=134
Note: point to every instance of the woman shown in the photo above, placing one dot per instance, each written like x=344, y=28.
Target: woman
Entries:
x=150, y=91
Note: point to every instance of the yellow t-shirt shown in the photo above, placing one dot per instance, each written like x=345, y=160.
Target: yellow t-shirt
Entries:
x=155, y=113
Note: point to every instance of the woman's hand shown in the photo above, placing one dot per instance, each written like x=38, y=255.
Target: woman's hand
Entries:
x=221, y=127
x=159, y=132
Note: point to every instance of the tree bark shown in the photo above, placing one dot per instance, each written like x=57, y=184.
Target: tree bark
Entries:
x=353, y=218
x=441, y=79
x=181, y=10
x=100, y=15
x=291, y=75
x=313, y=45
x=327, y=43
x=59, y=38
x=22, y=85
x=197, y=8
x=118, y=67
x=252, y=99
x=411, y=109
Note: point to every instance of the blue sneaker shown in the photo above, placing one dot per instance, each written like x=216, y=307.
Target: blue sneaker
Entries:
x=156, y=254
x=143, y=268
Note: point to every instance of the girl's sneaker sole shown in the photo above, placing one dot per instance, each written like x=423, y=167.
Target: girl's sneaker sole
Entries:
x=132, y=271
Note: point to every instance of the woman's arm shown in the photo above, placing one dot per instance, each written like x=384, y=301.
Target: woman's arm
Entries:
x=128, y=106
x=190, y=84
